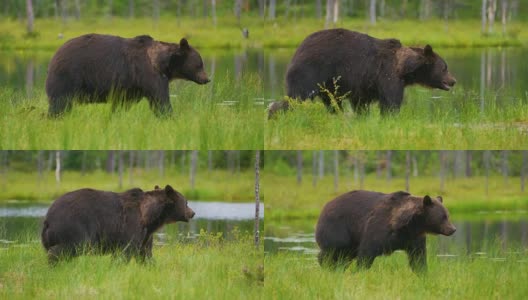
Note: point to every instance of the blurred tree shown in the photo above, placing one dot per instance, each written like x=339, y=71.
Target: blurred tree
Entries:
x=257, y=197
x=299, y=166
x=30, y=16
x=194, y=161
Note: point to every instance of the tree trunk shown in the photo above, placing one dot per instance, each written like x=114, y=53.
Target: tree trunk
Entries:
x=261, y=7
x=372, y=12
x=504, y=9
x=483, y=16
x=407, y=170
x=336, y=170
x=314, y=168
x=110, y=162
x=442, y=160
x=329, y=12
x=155, y=10
x=523, y=168
x=40, y=164
x=77, y=9
x=161, y=163
x=257, y=198
x=120, y=167
x=486, y=158
x=30, y=78
x=379, y=164
x=505, y=165
x=58, y=167
x=213, y=11
x=321, y=164
x=336, y=12
x=30, y=16
x=318, y=9
x=209, y=161
x=361, y=170
x=469, y=158
x=83, y=163
x=492, y=9
x=299, y=167
x=272, y=9
x=131, y=8
x=389, y=166
x=238, y=10
x=194, y=159
x=130, y=167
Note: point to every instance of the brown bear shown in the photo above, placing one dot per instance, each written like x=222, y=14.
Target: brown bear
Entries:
x=105, y=222
x=93, y=67
x=365, y=67
x=364, y=225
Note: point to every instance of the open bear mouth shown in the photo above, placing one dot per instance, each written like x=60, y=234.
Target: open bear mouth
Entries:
x=446, y=86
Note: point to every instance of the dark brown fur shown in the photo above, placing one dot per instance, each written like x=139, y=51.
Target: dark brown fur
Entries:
x=107, y=222
x=369, y=69
x=364, y=225
x=93, y=67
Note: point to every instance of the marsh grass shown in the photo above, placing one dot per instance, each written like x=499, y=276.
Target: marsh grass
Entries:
x=215, y=269
x=215, y=185
x=288, y=200
x=427, y=120
x=458, y=277
x=221, y=115
x=280, y=33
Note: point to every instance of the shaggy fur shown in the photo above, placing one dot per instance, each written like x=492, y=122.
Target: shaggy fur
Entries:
x=106, y=222
x=93, y=67
x=368, y=68
x=364, y=225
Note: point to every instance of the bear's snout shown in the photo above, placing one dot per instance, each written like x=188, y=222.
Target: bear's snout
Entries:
x=449, y=230
x=448, y=82
x=190, y=214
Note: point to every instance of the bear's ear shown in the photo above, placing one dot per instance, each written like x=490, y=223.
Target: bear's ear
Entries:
x=440, y=199
x=184, y=45
x=156, y=187
x=169, y=190
x=428, y=50
x=427, y=200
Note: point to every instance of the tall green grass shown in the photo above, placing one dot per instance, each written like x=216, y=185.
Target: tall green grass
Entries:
x=500, y=275
x=206, y=269
x=215, y=185
x=427, y=120
x=224, y=114
x=288, y=200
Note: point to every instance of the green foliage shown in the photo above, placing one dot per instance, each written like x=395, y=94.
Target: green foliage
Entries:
x=289, y=200
x=217, y=270
x=212, y=186
x=298, y=276
x=455, y=121
x=200, y=120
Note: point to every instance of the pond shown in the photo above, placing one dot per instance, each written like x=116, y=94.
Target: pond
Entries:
x=479, y=234
x=23, y=222
x=500, y=72
x=25, y=71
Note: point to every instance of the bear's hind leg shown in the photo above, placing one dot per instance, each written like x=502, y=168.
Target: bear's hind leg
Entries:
x=60, y=252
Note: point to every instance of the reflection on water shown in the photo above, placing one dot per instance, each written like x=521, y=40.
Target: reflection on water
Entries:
x=26, y=71
x=500, y=71
x=479, y=237
x=23, y=221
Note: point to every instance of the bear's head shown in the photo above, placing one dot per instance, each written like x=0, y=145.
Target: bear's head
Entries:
x=178, y=61
x=162, y=206
x=425, y=67
x=422, y=214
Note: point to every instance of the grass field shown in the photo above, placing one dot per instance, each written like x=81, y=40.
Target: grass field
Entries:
x=287, y=200
x=221, y=115
x=427, y=120
x=280, y=33
x=209, y=268
x=498, y=275
x=214, y=186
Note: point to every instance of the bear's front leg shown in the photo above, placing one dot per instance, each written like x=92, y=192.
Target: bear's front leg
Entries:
x=367, y=252
x=159, y=99
x=416, y=251
x=391, y=96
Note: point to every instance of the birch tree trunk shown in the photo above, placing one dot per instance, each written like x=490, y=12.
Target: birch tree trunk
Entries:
x=299, y=167
x=257, y=198
x=194, y=159
x=120, y=167
x=58, y=167
x=336, y=170
x=30, y=16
